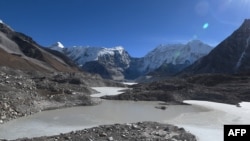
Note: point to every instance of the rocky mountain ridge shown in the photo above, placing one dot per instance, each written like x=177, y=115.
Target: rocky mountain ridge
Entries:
x=110, y=63
x=116, y=63
x=33, y=78
x=20, y=51
x=231, y=56
x=222, y=88
x=175, y=54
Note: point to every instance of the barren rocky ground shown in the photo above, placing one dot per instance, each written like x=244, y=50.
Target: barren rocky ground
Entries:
x=142, y=131
x=23, y=93
x=230, y=89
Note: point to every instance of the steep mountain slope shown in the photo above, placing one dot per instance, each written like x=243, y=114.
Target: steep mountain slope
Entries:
x=86, y=54
x=174, y=54
x=231, y=56
x=110, y=63
x=50, y=80
x=167, y=60
x=21, y=52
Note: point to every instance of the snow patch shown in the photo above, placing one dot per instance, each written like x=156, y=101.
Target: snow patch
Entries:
x=60, y=45
x=84, y=54
x=57, y=45
x=243, y=54
x=111, y=51
x=1, y=21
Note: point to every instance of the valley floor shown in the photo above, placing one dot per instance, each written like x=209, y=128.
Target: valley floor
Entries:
x=21, y=95
x=134, y=131
x=230, y=89
x=200, y=124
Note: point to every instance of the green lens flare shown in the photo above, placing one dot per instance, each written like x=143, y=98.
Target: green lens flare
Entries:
x=205, y=26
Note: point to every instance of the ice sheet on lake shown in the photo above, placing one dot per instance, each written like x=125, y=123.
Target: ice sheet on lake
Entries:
x=107, y=91
x=209, y=125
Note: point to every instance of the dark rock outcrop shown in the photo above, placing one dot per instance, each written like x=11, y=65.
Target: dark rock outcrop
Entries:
x=97, y=68
x=230, y=89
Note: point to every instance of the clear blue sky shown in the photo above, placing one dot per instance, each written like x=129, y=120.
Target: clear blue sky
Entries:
x=137, y=25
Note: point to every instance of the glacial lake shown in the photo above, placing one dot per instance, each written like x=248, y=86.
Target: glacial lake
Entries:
x=203, y=119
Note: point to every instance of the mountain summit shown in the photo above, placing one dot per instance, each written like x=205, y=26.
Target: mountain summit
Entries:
x=108, y=62
x=231, y=56
x=175, y=54
x=58, y=44
x=115, y=63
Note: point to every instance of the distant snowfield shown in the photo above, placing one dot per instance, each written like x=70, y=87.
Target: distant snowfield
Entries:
x=129, y=83
x=208, y=126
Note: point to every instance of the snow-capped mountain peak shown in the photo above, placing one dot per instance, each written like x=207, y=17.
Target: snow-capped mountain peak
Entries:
x=119, y=48
x=116, y=63
x=195, y=42
x=58, y=46
x=110, y=62
x=232, y=55
x=82, y=54
x=1, y=22
x=175, y=54
x=111, y=51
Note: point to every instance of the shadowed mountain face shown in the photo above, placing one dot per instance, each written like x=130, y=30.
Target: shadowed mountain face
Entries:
x=21, y=52
x=230, y=56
